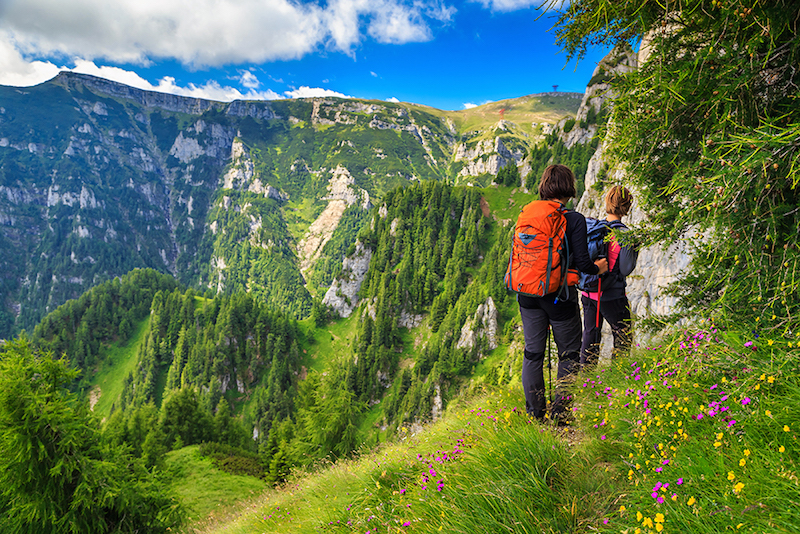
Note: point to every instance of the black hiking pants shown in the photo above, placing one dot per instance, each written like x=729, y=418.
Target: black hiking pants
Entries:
x=618, y=314
x=564, y=319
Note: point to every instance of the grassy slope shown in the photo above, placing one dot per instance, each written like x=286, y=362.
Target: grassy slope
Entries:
x=523, y=111
x=120, y=360
x=697, y=435
x=206, y=491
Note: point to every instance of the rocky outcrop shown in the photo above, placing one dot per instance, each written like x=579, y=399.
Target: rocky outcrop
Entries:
x=596, y=100
x=481, y=326
x=342, y=193
x=342, y=296
x=241, y=174
x=488, y=156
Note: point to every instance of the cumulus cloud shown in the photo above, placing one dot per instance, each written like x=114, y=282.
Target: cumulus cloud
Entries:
x=313, y=92
x=393, y=99
x=249, y=80
x=514, y=5
x=469, y=105
x=203, y=33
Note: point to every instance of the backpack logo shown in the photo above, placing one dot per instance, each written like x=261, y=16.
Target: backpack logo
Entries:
x=596, y=232
x=539, y=251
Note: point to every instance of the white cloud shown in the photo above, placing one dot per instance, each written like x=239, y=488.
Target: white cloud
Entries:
x=209, y=32
x=313, y=92
x=249, y=80
x=514, y=5
x=373, y=74
x=469, y=105
x=393, y=99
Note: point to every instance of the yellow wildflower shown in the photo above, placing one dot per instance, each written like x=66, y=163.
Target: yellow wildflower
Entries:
x=659, y=518
x=747, y=452
x=768, y=413
x=647, y=523
x=786, y=428
x=782, y=448
x=622, y=508
x=771, y=379
x=638, y=516
x=738, y=487
x=731, y=476
x=659, y=527
x=691, y=501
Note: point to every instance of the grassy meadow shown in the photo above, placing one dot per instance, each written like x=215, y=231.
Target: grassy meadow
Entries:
x=698, y=434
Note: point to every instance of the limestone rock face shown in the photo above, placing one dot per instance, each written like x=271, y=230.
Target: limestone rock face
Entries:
x=241, y=175
x=481, y=325
x=342, y=296
x=342, y=193
x=596, y=99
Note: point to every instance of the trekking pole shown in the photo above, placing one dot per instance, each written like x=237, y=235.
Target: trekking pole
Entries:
x=549, y=372
x=598, y=334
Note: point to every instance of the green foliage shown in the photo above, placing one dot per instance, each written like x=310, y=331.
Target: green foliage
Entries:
x=707, y=128
x=233, y=460
x=569, y=125
x=508, y=175
x=80, y=328
x=57, y=474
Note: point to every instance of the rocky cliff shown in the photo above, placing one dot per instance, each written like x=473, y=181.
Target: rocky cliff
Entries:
x=97, y=178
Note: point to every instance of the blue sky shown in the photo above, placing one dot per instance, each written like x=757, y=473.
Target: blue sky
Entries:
x=448, y=55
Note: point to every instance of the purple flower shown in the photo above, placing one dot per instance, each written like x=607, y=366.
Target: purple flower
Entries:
x=680, y=481
x=407, y=524
x=745, y=401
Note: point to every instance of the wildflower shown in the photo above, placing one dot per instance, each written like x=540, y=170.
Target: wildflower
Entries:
x=691, y=501
x=742, y=462
x=768, y=413
x=747, y=452
x=407, y=523
x=680, y=481
x=731, y=476
x=771, y=379
x=638, y=516
x=782, y=448
x=622, y=508
x=648, y=523
x=738, y=487
x=659, y=518
x=786, y=428
x=745, y=401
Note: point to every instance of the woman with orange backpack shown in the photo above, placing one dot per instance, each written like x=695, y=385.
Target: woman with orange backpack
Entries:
x=546, y=296
x=609, y=302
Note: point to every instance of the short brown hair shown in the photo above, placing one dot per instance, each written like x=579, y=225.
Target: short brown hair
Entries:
x=618, y=201
x=557, y=182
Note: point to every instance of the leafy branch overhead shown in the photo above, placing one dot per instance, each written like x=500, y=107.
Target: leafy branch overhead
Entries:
x=709, y=129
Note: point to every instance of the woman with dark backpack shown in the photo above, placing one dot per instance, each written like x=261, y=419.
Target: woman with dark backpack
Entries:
x=558, y=309
x=613, y=302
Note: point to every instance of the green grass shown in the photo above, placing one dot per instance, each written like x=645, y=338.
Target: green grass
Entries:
x=636, y=430
x=506, y=202
x=206, y=492
x=523, y=111
x=331, y=341
x=119, y=362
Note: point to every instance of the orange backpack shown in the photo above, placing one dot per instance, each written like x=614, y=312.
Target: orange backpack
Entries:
x=539, y=252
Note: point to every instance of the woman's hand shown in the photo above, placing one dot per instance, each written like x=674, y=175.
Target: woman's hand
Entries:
x=602, y=264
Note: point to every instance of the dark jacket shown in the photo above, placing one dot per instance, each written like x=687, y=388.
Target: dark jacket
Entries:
x=613, y=285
